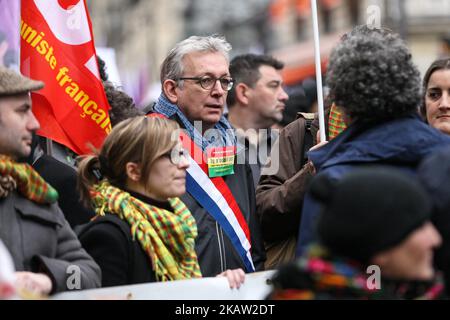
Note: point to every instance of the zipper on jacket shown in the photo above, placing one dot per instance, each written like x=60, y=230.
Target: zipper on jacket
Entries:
x=225, y=265
x=222, y=266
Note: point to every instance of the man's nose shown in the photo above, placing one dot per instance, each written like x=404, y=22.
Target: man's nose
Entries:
x=217, y=89
x=283, y=95
x=33, y=123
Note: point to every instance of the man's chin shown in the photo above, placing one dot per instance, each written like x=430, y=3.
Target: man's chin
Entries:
x=211, y=120
x=22, y=154
x=278, y=117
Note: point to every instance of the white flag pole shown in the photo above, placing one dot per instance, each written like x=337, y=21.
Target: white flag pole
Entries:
x=318, y=71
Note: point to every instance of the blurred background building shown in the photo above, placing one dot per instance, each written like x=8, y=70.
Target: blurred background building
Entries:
x=142, y=31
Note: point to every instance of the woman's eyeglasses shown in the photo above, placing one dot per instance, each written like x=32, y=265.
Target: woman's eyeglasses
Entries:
x=176, y=155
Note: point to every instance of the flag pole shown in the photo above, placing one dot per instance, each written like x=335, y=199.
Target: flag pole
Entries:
x=318, y=71
x=49, y=144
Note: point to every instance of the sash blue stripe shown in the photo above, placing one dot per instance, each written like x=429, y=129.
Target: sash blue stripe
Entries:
x=209, y=205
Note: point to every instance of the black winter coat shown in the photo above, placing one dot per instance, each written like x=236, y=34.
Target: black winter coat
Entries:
x=64, y=179
x=122, y=261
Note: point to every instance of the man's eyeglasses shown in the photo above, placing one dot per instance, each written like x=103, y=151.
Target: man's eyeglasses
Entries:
x=176, y=155
x=208, y=82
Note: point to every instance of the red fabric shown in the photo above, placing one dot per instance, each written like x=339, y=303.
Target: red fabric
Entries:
x=56, y=45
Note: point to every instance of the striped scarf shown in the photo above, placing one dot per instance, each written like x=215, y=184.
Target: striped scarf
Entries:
x=27, y=181
x=168, y=238
x=226, y=135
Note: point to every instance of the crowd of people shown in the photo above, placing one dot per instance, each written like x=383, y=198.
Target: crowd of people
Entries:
x=181, y=190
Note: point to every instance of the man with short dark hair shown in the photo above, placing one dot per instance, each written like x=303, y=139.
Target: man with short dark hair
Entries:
x=45, y=251
x=255, y=103
x=257, y=98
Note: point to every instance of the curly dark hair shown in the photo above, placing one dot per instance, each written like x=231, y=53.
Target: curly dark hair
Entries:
x=122, y=105
x=102, y=69
x=372, y=77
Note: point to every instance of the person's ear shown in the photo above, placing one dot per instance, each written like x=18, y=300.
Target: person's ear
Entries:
x=170, y=90
x=133, y=171
x=242, y=93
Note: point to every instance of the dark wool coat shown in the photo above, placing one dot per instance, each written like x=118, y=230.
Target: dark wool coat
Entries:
x=64, y=179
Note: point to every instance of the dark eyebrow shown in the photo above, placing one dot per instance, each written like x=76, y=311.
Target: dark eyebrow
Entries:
x=277, y=82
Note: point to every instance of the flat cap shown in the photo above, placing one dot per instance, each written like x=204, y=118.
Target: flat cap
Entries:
x=13, y=83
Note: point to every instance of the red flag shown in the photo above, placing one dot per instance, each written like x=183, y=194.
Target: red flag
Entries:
x=57, y=47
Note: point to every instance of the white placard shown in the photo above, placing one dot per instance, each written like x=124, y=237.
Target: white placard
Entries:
x=256, y=287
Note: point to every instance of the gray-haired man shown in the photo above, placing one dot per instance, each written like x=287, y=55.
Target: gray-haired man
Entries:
x=220, y=194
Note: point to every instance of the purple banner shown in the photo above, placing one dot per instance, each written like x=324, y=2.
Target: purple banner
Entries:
x=9, y=33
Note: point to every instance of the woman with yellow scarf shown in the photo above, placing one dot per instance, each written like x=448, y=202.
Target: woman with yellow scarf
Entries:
x=142, y=231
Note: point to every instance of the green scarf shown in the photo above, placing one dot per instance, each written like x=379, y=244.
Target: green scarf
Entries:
x=27, y=181
x=168, y=238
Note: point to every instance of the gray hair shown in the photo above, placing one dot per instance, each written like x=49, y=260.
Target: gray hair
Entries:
x=172, y=67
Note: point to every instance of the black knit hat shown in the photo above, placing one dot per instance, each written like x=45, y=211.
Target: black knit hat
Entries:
x=369, y=210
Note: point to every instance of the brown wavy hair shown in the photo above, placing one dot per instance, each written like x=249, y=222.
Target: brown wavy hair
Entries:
x=140, y=140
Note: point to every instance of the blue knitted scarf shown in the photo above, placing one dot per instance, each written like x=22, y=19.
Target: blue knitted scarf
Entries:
x=222, y=136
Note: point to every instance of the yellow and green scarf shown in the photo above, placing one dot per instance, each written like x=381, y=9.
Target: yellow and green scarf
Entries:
x=336, y=123
x=168, y=238
x=27, y=181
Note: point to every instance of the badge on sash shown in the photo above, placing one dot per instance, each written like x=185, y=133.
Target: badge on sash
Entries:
x=221, y=161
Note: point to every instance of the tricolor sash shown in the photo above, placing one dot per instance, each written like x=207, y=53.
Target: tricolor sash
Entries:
x=216, y=198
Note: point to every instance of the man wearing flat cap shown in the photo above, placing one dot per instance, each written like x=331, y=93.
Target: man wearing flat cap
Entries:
x=47, y=254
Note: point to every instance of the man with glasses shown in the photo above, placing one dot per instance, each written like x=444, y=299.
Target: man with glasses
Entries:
x=220, y=193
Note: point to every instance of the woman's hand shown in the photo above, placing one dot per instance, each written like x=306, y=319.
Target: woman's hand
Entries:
x=34, y=283
x=235, y=277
